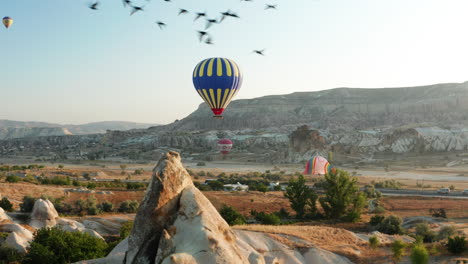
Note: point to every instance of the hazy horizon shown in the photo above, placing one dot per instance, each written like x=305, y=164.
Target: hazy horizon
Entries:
x=89, y=66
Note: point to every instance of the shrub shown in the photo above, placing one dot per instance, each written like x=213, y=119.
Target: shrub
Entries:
x=216, y=185
x=12, y=178
x=10, y=255
x=282, y=213
x=55, y=246
x=422, y=230
x=201, y=163
x=125, y=229
x=268, y=219
x=419, y=254
x=6, y=204
x=391, y=225
x=91, y=185
x=376, y=220
x=398, y=248
x=438, y=212
x=374, y=242
x=28, y=203
x=106, y=207
x=389, y=184
x=134, y=185
x=231, y=216
x=446, y=232
x=456, y=245
x=129, y=206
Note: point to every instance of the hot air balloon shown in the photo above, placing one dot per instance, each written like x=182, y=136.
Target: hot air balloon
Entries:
x=317, y=165
x=7, y=21
x=217, y=81
x=224, y=146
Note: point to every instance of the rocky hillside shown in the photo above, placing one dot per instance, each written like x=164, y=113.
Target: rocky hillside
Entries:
x=340, y=109
x=16, y=129
x=289, y=128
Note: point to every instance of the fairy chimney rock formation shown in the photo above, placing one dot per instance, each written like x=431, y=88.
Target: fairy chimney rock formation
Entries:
x=174, y=212
x=43, y=214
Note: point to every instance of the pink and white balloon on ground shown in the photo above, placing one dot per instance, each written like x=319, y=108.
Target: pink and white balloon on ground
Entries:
x=224, y=146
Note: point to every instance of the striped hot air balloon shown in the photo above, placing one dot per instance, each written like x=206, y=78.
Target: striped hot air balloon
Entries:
x=317, y=165
x=7, y=21
x=217, y=81
x=224, y=146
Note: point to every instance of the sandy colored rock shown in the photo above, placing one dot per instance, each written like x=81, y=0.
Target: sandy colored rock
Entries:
x=158, y=209
x=43, y=214
x=200, y=232
x=18, y=242
x=3, y=215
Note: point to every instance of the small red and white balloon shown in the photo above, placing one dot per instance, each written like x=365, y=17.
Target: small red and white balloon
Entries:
x=224, y=146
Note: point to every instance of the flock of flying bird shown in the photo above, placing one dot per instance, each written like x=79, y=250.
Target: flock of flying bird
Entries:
x=203, y=35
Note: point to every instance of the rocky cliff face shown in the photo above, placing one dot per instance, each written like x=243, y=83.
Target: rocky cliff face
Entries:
x=393, y=120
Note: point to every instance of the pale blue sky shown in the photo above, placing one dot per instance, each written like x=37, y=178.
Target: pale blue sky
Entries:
x=65, y=63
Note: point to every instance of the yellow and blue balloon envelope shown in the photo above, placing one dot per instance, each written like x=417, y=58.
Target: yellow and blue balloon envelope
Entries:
x=7, y=21
x=217, y=81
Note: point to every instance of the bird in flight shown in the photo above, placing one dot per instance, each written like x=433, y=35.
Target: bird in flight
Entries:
x=202, y=34
x=270, y=7
x=94, y=6
x=136, y=9
x=182, y=11
x=260, y=52
x=209, y=41
x=126, y=2
x=209, y=22
x=161, y=25
x=200, y=15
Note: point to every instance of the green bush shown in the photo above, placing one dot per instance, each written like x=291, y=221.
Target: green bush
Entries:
x=440, y=212
x=231, y=216
x=125, y=229
x=106, y=207
x=267, y=219
x=6, y=204
x=391, y=225
x=389, y=184
x=129, y=206
x=376, y=220
x=55, y=246
x=446, y=232
x=456, y=245
x=28, y=203
x=216, y=185
x=398, y=248
x=10, y=255
x=201, y=163
x=419, y=254
x=12, y=178
x=374, y=242
x=134, y=185
x=422, y=230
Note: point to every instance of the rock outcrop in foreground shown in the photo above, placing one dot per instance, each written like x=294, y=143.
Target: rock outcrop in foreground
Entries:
x=176, y=223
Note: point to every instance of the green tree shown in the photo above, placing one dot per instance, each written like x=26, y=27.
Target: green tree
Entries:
x=446, y=232
x=60, y=166
x=55, y=246
x=391, y=225
x=6, y=204
x=231, y=216
x=262, y=188
x=28, y=203
x=125, y=229
x=341, y=193
x=303, y=199
x=419, y=254
x=398, y=248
